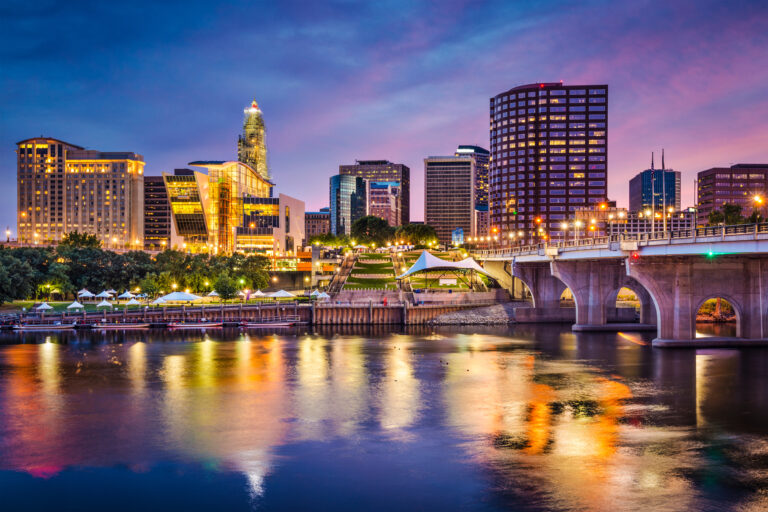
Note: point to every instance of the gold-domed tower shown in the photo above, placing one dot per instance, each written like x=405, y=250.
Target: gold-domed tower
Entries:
x=252, y=144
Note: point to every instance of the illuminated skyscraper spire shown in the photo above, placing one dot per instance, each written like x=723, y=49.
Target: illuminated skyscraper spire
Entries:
x=252, y=144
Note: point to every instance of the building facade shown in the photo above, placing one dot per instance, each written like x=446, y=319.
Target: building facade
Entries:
x=348, y=202
x=449, y=195
x=252, y=144
x=271, y=225
x=158, y=232
x=658, y=189
x=62, y=187
x=384, y=171
x=317, y=223
x=739, y=184
x=482, y=166
x=549, y=156
x=384, y=200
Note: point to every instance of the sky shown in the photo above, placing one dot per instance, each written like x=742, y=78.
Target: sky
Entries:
x=395, y=80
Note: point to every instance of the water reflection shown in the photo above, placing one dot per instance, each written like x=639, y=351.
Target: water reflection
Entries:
x=461, y=418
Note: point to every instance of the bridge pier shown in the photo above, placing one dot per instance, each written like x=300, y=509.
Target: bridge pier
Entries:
x=595, y=285
x=680, y=285
x=546, y=291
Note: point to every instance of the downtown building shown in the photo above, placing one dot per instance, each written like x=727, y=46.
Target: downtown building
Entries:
x=549, y=156
x=348, y=202
x=482, y=156
x=159, y=231
x=739, y=185
x=317, y=223
x=657, y=189
x=63, y=187
x=230, y=207
x=395, y=177
x=449, y=196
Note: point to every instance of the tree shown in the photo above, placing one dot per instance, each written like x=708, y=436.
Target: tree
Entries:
x=330, y=240
x=149, y=285
x=729, y=214
x=416, y=234
x=226, y=287
x=77, y=239
x=371, y=229
x=17, y=277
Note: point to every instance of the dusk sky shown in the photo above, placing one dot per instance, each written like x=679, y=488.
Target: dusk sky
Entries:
x=396, y=80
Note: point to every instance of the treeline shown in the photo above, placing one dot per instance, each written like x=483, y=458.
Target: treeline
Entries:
x=79, y=262
x=375, y=230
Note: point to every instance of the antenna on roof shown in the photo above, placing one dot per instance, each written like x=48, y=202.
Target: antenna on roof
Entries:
x=662, y=159
x=651, y=160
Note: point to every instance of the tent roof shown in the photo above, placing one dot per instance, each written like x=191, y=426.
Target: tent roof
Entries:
x=44, y=306
x=104, y=295
x=75, y=305
x=213, y=294
x=281, y=293
x=126, y=295
x=133, y=302
x=427, y=262
x=104, y=304
x=84, y=293
x=258, y=293
x=180, y=296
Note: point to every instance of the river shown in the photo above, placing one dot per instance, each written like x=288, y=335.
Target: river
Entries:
x=471, y=419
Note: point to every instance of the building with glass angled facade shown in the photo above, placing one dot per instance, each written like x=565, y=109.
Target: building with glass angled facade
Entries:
x=384, y=171
x=549, y=156
x=348, y=202
x=658, y=189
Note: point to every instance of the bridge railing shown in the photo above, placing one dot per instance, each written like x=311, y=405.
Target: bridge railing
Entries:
x=723, y=232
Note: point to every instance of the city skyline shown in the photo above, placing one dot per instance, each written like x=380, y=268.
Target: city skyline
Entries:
x=703, y=102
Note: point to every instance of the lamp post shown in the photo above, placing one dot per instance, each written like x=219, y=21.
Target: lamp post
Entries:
x=759, y=201
x=576, y=225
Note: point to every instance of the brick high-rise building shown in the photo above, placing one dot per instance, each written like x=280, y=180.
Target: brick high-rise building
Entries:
x=317, y=223
x=63, y=187
x=738, y=185
x=385, y=171
x=549, y=156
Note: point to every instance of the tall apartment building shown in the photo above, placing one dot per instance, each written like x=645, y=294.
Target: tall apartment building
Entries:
x=738, y=184
x=658, y=189
x=482, y=165
x=549, y=155
x=62, y=187
x=449, y=195
x=348, y=200
x=384, y=171
x=317, y=223
x=157, y=215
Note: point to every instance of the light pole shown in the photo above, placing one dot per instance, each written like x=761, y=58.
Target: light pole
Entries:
x=564, y=227
x=577, y=224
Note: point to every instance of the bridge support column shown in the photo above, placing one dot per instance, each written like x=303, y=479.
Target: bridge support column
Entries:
x=594, y=285
x=546, y=291
x=680, y=285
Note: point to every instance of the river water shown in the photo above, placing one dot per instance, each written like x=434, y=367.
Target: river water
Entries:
x=520, y=418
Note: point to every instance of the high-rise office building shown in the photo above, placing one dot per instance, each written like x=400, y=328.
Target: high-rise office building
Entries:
x=549, y=156
x=157, y=215
x=252, y=144
x=449, y=195
x=385, y=171
x=740, y=184
x=348, y=200
x=658, y=189
x=482, y=164
x=62, y=188
x=317, y=223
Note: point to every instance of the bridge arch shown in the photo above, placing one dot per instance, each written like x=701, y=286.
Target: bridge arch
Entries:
x=648, y=309
x=737, y=310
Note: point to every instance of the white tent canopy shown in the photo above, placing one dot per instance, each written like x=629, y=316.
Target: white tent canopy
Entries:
x=104, y=304
x=315, y=293
x=281, y=294
x=104, y=295
x=258, y=293
x=428, y=262
x=126, y=295
x=111, y=291
x=84, y=293
x=213, y=294
x=133, y=302
x=44, y=307
x=75, y=305
x=159, y=300
x=323, y=295
x=180, y=297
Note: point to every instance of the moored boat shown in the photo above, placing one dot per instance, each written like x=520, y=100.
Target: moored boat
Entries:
x=254, y=325
x=195, y=325
x=119, y=326
x=44, y=327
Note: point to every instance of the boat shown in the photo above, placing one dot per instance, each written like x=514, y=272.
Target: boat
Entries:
x=118, y=326
x=195, y=325
x=58, y=326
x=253, y=325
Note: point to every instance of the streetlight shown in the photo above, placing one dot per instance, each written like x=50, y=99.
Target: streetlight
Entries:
x=564, y=227
x=174, y=285
x=577, y=224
